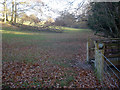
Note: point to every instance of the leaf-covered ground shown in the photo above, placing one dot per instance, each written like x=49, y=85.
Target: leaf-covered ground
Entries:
x=37, y=75
x=46, y=60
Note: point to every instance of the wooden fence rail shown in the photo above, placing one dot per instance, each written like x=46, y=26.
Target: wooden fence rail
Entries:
x=97, y=50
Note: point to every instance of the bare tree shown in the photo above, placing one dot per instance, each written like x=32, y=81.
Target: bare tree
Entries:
x=12, y=16
x=5, y=10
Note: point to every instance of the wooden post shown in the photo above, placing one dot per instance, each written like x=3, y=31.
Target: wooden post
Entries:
x=99, y=59
x=0, y=57
x=87, y=51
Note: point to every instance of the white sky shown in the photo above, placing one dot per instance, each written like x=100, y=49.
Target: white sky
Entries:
x=55, y=5
x=60, y=5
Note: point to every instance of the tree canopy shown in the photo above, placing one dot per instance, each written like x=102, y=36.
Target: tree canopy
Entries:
x=105, y=18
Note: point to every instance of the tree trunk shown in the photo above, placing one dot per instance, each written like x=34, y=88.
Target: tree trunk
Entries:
x=3, y=17
x=7, y=17
x=12, y=11
x=5, y=11
x=15, y=17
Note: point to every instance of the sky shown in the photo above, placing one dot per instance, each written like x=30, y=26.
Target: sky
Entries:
x=55, y=5
x=61, y=4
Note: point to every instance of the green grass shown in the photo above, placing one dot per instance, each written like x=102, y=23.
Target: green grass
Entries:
x=34, y=47
x=69, y=29
x=73, y=29
x=58, y=44
x=66, y=81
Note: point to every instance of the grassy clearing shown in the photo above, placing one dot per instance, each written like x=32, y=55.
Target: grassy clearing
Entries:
x=46, y=49
x=68, y=29
x=55, y=45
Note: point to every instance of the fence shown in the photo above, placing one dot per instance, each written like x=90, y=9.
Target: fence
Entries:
x=106, y=57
